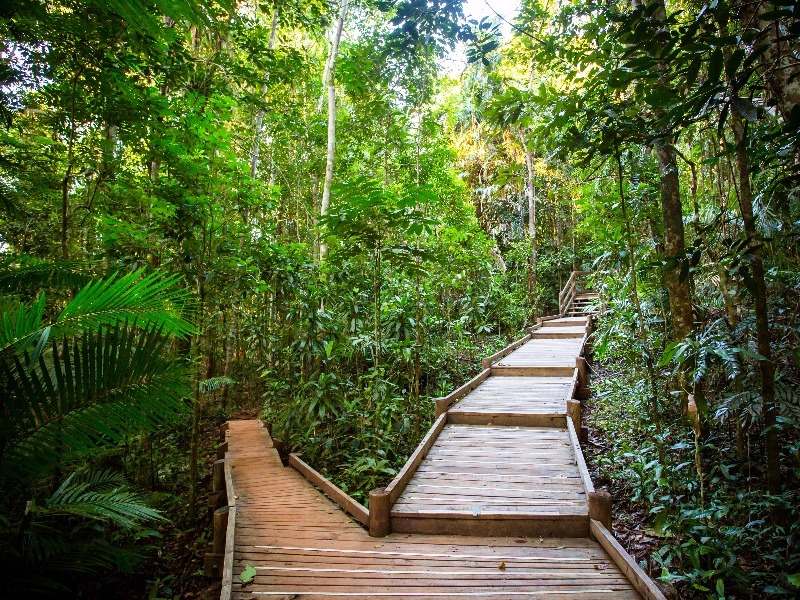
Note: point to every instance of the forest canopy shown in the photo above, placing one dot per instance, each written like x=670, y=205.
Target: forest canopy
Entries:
x=324, y=213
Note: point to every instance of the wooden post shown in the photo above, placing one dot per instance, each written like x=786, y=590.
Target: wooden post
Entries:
x=213, y=561
x=282, y=450
x=583, y=435
x=221, y=450
x=583, y=379
x=223, y=431
x=380, y=524
x=219, y=495
x=220, y=529
x=574, y=412
x=218, y=476
x=600, y=507
x=441, y=407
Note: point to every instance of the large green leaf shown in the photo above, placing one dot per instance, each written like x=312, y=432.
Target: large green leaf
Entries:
x=97, y=390
x=152, y=300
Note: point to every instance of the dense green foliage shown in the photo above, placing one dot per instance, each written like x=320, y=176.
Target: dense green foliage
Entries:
x=167, y=259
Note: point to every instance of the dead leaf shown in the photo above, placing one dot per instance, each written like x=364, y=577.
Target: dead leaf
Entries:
x=502, y=566
x=601, y=566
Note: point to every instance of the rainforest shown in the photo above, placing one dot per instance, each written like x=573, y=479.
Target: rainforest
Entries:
x=324, y=214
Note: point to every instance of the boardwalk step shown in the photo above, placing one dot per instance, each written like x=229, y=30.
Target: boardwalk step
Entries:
x=481, y=480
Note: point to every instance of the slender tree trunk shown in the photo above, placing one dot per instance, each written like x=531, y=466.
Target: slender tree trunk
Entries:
x=759, y=290
x=530, y=193
x=331, y=85
x=680, y=303
x=259, y=125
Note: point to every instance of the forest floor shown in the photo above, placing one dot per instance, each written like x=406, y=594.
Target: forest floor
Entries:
x=629, y=518
x=174, y=569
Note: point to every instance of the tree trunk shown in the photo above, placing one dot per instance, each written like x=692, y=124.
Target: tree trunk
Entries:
x=779, y=61
x=530, y=193
x=330, y=81
x=680, y=303
x=259, y=125
x=759, y=291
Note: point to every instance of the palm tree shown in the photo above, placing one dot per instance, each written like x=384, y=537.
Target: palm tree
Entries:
x=100, y=371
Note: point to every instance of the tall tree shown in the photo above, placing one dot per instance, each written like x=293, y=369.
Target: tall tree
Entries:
x=330, y=83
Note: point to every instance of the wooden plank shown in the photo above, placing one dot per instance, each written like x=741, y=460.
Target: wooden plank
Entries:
x=442, y=404
x=545, y=371
x=489, y=525
x=486, y=362
x=551, y=333
x=230, y=536
x=343, y=500
x=227, y=566
x=398, y=484
x=581, y=462
x=523, y=419
x=640, y=580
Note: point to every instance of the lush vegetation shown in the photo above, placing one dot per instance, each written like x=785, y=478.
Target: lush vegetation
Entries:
x=291, y=208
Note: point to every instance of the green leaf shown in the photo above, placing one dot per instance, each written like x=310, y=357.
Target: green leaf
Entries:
x=715, y=67
x=794, y=579
x=750, y=354
x=247, y=575
x=84, y=394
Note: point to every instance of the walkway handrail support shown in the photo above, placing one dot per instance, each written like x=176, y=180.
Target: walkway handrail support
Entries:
x=567, y=294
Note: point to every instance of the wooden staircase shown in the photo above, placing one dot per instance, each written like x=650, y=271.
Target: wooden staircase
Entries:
x=576, y=299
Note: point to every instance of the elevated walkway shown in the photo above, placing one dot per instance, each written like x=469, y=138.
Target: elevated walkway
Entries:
x=495, y=502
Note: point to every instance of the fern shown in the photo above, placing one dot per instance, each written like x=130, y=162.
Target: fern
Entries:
x=215, y=383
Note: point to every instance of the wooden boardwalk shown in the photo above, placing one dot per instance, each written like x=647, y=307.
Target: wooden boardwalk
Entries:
x=303, y=546
x=496, y=502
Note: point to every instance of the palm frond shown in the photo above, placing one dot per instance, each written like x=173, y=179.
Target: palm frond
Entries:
x=99, y=495
x=23, y=324
x=152, y=300
x=97, y=390
x=25, y=273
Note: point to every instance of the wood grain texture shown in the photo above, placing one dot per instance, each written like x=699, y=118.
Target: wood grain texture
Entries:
x=344, y=501
x=492, y=504
x=303, y=546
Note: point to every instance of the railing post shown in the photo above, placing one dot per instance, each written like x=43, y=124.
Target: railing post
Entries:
x=380, y=524
x=600, y=507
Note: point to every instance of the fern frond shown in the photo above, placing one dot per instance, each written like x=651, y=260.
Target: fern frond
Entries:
x=215, y=383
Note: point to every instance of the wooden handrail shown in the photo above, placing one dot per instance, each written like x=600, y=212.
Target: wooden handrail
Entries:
x=342, y=499
x=568, y=292
x=633, y=572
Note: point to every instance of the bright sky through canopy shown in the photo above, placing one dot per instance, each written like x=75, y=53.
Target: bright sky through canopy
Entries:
x=477, y=9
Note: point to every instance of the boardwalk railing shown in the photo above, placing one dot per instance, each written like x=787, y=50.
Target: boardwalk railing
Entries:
x=567, y=294
x=502, y=461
